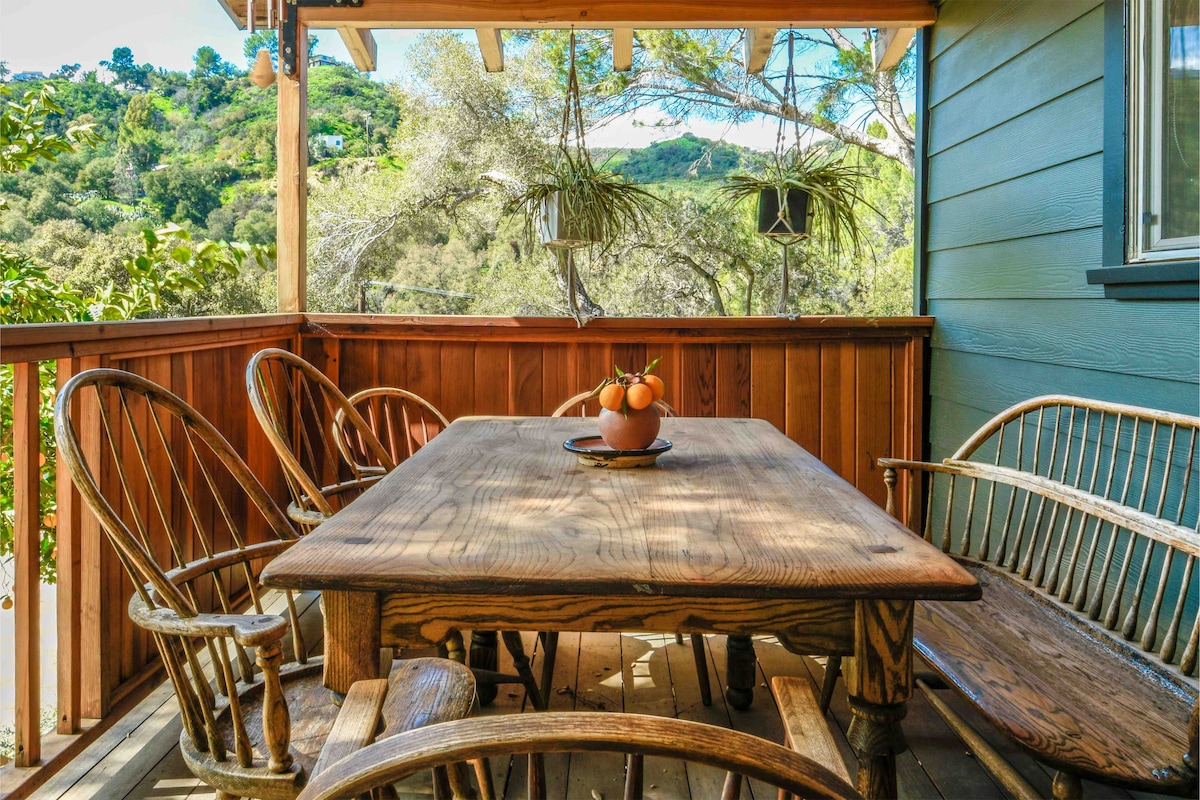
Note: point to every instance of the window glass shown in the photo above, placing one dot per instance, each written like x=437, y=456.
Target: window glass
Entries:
x=1164, y=134
x=1181, y=121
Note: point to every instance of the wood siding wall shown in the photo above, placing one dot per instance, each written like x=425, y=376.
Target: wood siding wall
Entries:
x=849, y=390
x=1014, y=159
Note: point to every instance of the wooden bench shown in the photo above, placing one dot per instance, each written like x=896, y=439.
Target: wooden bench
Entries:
x=1079, y=518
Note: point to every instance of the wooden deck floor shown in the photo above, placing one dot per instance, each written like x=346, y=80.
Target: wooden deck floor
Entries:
x=643, y=673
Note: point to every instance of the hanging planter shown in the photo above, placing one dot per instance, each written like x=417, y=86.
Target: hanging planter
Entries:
x=576, y=204
x=790, y=220
x=802, y=193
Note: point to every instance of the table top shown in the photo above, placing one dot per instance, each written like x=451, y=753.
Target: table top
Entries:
x=495, y=505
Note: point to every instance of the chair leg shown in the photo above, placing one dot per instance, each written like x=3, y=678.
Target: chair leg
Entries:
x=460, y=782
x=679, y=638
x=733, y=787
x=701, y=669
x=833, y=668
x=483, y=777
x=535, y=780
x=549, y=651
x=516, y=648
x=634, y=773
x=441, y=784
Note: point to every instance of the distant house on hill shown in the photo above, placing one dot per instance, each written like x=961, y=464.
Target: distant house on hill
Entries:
x=322, y=61
x=23, y=77
x=332, y=141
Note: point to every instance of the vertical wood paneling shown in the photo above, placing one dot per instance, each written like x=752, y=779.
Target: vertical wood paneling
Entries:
x=557, y=385
x=491, y=378
x=668, y=369
x=26, y=560
x=391, y=363
x=733, y=380
x=525, y=369
x=423, y=360
x=803, y=405
x=595, y=363
x=838, y=396
x=698, y=380
x=902, y=427
x=768, y=384
x=458, y=379
x=873, y=416
x=364, y=355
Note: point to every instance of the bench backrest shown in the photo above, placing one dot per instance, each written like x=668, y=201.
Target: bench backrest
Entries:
x=1094, y=504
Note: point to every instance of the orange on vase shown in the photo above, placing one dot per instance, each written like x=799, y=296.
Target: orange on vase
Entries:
x=636, y=430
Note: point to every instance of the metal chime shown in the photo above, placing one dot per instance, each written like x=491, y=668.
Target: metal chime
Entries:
x=263, y=72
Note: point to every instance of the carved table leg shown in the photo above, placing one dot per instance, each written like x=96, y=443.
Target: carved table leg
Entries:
x=483, y=656
x=876, y=737
x=739, y=668
x=879, y=683
x=516, y=649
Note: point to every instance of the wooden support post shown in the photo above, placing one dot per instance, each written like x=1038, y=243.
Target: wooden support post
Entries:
x=622, y=49
x=292, y=151
x=491, y=47
x=759, y=42
x=26, y=557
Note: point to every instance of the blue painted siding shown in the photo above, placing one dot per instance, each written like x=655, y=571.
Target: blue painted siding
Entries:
x=1014, y=206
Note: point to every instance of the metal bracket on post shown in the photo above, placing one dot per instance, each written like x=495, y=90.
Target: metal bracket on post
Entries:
x=289, y=48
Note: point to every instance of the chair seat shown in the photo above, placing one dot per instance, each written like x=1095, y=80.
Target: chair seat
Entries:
x=421, y=691
x=1056, y=698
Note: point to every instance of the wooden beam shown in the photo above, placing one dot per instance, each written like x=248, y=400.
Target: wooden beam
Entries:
x=889, y=46
x=526, y=14
x=491, y=47
x=292, y=236
x=759, y=42
x=622, y=49
x=27, y=538
x=361, y=44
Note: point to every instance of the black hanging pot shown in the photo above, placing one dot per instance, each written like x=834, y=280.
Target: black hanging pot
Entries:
x=794, y=222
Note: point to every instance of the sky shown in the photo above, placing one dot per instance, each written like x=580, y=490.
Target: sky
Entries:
x=167, y=33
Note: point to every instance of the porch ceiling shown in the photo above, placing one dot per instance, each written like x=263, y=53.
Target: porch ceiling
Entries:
x=598, y=13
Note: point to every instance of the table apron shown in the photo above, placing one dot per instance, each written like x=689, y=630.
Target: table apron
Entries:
x=804, y=626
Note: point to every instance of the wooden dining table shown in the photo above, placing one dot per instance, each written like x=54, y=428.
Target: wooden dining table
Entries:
x=736, y=530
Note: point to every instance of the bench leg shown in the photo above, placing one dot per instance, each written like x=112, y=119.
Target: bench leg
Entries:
x=1067, y=786
x=833, y=669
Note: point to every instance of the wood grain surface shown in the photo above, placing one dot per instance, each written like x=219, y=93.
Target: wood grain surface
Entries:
x=496, y=506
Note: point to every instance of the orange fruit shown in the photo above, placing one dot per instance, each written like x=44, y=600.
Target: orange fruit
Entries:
x=656, y=385
x=639, y=396
x=611, y=396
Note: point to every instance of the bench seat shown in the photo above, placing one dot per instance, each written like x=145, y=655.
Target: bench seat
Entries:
x=1057, y=688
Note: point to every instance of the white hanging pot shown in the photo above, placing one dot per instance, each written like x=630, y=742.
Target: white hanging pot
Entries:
x=558, y=229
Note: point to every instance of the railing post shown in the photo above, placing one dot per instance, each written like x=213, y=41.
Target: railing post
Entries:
x=68, y=530
x=26, y=561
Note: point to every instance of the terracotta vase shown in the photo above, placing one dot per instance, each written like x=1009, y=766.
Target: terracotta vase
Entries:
x=635, y=431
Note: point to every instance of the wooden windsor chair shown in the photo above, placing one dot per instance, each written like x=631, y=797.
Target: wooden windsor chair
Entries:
x=580, y=405
x=192, y=527
x=402, y=421
x=739, y=754
x=296, y=404
x=331, y=454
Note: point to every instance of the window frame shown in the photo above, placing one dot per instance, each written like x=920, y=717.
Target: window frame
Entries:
x=1158, y=279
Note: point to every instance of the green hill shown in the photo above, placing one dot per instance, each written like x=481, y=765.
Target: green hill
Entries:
x=687, y=158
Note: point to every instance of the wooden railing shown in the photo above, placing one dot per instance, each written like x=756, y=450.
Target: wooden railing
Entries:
x=848, y=390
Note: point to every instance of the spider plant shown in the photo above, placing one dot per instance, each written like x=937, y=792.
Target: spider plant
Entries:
x=813, y=183
x=577, y=204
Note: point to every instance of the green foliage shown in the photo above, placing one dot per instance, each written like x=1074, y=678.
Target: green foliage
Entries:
x=183, y=193
x=23, y=136
x=128, y=73
x=685, y=158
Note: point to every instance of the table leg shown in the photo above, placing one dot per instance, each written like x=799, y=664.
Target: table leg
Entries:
x=879, y=683
x=483, y=656
x=352, y=639
x=740, y=667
